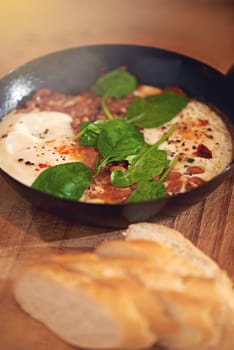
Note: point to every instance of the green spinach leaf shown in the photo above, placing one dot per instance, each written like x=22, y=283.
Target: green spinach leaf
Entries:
x=148, y=163
x=148, y=190
x=117, y=140
x=143, y=166
x=116, y=83
x=89, y=132
x=67, y=180
x=153, y=111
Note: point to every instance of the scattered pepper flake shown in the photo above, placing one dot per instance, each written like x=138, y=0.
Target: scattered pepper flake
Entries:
x=190, y=160
x=203, y=151
x=203, y=122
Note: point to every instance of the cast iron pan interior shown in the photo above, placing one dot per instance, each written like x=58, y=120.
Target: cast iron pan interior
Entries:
x=75, y=70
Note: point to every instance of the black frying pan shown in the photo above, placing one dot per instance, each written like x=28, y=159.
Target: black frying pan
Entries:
x=75, y=70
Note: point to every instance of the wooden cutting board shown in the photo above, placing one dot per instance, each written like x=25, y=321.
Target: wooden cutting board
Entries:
x=28, y=236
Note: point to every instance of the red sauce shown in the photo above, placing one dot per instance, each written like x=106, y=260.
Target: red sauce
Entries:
x=64, y=149
x=44, y=165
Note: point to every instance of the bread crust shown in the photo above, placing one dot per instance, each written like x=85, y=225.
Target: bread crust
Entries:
x=155, y=286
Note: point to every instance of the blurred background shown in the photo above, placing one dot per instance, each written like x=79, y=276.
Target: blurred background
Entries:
x=200, y=28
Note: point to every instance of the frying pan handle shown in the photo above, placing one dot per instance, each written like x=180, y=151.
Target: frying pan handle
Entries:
x=230, y=76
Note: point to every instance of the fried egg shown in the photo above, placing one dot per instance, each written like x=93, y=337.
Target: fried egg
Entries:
x=201, y=140
x=32, y=142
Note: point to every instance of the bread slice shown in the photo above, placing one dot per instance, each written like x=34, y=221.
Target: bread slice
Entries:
x=160, y=256
x=82, y=311
x=175, y=241
x=135, y=275
x=144, y=240
x=186, y=299
x=185, y=314
x=130, y=293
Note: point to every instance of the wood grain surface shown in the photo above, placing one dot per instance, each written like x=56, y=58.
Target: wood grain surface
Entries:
x=28, y=29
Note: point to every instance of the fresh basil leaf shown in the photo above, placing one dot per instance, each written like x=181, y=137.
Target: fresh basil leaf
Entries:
x=148, y=190
x=117, y=140
x=153, y=111
x=68, y=180
x=116, y=83
x=90, y=131
x=149, y=162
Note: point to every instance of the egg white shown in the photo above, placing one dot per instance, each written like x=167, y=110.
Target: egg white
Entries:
x=214, y=135
x=29, y=142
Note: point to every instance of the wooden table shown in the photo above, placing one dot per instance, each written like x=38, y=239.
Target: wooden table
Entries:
x=202, y=29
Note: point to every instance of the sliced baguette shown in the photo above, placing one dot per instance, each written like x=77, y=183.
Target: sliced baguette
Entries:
x=159, y=255
x=175, y=241
x=197, y=296
x=83, y=311
x=190, y=262
x=134, y=275
x=170, y=295
x=131, y=293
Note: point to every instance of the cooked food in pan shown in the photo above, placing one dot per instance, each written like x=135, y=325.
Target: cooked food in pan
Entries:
x=119, y=142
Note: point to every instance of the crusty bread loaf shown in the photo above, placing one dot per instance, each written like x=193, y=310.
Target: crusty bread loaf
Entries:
x=155, y=286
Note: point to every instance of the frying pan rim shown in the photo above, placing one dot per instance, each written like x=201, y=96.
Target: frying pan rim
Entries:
x=116, y=45
x=109, y=45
